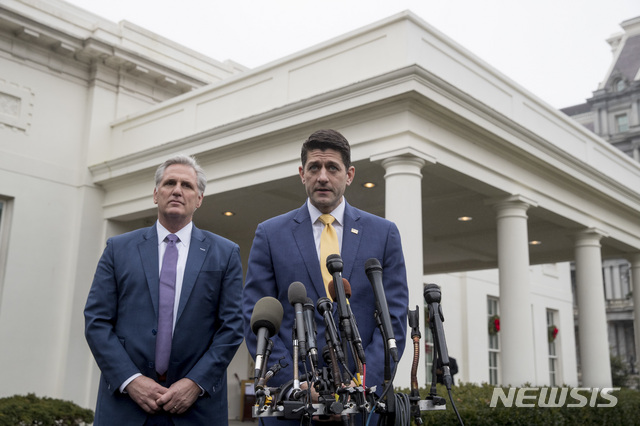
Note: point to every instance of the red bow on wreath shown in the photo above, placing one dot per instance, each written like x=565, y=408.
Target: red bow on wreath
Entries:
x=494, y=324
x=553, y=333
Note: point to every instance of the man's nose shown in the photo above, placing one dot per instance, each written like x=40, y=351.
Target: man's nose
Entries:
x=323, y=175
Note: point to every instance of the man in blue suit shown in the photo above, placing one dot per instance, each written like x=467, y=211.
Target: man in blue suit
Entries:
x=286, y=249
x=205, y=325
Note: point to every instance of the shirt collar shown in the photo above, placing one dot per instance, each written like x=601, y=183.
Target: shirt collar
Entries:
x=337, y=213
x=184, y=234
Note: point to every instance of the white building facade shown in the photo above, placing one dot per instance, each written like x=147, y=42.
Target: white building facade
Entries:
x=89, y=108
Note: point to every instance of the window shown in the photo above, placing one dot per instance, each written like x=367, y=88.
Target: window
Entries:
x=494, y=342
x=620, y=85
x=553, y=353
x=622, y=122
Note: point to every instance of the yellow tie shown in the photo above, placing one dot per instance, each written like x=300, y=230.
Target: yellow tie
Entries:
x=328, y=245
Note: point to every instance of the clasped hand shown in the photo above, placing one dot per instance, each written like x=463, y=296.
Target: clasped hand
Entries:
x=153, y=397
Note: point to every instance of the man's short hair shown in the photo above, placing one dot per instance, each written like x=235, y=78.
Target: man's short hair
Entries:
x=187, y=161
x=324, y=140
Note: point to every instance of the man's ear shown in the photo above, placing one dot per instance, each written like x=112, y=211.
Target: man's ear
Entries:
x=301, y=172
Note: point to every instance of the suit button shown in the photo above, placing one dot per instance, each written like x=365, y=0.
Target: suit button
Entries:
x=151, y=364
x=154, y=331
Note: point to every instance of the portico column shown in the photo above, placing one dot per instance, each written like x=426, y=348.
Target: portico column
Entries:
x=516, y=340
x=635, y=285
x=592, y=319
x=403, y=206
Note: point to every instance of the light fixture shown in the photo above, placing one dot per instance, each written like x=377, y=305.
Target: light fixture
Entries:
x=535, y=242
x=465, y=218
x=368, y=185
x=228, y=213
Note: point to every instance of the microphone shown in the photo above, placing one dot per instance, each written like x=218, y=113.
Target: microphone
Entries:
x=373, y=270
x=334, y=266
x=357, y=340
x=297, y=297
x=265, y=323
x=310, y=328
x=324, y=307
x=433, y=296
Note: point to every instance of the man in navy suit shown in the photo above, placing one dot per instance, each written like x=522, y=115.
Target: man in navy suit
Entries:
x=121, y=313
x=286, y=249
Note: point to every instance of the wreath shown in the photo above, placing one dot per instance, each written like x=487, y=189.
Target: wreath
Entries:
x=552, y=333
x=494, y=324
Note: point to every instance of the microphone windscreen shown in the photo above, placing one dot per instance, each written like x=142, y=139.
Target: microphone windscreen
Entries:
x=372, y=264
x=332, y=289
x=334, y=263
x=432, y=293
x=297, y=293
x=323, y=305
x=267, y=313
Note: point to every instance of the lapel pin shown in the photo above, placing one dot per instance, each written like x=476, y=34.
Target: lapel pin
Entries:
x=202, y=248
x=354, y=230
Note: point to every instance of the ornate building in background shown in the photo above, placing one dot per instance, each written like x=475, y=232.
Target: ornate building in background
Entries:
x=613, y=113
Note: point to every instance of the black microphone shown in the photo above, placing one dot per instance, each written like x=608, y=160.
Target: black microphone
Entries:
x=334, y=266
x=324, y=307
x=433, y=296
x=265, y=323
x=310, y=328
x=297, y=298
x=357, y=340
x=374, y=273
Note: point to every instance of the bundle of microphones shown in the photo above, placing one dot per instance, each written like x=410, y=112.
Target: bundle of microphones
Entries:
x=338, y=391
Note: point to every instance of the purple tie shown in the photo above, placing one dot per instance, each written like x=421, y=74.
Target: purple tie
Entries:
x=165, y=306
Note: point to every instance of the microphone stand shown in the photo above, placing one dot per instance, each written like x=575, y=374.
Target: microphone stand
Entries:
x=433, y=296
x=388, y=414
x=414, y=397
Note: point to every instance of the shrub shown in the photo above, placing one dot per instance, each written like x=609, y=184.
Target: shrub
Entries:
x=32, y=410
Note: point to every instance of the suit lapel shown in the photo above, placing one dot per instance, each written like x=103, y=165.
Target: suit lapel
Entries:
x=351, y=233
x=148, y=250
x=303, y=235
x=198, y=250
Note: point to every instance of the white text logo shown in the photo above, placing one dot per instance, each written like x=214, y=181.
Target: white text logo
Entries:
x=554, y=397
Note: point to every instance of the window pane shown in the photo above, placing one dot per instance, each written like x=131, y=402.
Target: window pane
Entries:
x=622, y=122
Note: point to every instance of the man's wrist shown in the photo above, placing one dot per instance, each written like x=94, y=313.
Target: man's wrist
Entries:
x=124, y=384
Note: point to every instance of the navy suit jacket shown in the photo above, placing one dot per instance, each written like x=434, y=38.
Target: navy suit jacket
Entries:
x=284, y=251
x=121, y=319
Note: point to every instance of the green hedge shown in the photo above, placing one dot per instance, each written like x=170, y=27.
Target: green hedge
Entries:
x=473, y=404
x=32, y=410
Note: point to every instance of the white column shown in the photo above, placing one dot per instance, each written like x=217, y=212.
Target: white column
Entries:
x=592, y=319
x=403, y=206
x=635, y=285
x=516, y=333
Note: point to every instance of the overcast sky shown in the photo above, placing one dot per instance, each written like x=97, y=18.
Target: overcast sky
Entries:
x=556, y=49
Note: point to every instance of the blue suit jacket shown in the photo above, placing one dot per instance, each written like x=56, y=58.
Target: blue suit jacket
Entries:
x=121, y=316
x=284, y=251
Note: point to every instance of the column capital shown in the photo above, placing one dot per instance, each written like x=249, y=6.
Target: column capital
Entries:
x=515, y=200
x=591, y=233
x=407, y=153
